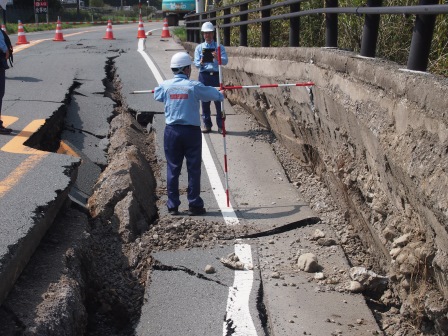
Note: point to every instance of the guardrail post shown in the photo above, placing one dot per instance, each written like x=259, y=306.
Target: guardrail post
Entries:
x=213, y=18
x=331, y=24
x=243, y=28
x=226, y=29
x=197, y=32
x=294, y=26
x=191, y=30
x=202, y=18
x=266, y=25
x=421, y=39
x=370, y=31
x=187, y=27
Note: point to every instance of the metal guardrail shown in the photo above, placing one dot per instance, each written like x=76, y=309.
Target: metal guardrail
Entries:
x=426, y=13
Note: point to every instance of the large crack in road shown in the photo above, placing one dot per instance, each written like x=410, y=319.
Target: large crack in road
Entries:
x=89, y=274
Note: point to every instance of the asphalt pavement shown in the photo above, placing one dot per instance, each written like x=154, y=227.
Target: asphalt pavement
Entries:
x=270, y=296
x=49, y=82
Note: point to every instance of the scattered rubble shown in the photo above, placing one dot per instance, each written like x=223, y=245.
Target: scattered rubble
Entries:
x=308, y=262
x=209, y=269
x=409, y=257
x=121, y=241
x=367, y=279
x=233, y=261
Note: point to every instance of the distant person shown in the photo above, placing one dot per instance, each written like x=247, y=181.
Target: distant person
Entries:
x=182, y=137
x=4, y=55
x=206, y=60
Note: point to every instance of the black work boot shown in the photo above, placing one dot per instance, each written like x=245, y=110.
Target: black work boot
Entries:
x=196, y=211
x=4, y=130
x=173, y=211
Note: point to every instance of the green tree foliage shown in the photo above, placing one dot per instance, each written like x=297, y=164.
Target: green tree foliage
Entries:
x=96, y=3
x=394, y=39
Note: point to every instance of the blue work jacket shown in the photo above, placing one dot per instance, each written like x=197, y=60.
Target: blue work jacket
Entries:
x=209, y=67
x=182, y=98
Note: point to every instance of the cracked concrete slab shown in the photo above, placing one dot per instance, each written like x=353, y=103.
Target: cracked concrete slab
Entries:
x=260, y=193
x=38, y=183
x=88, y=113
x=301, y=303
x=182, y=299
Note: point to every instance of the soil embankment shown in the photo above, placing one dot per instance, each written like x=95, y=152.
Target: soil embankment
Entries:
x=377, y=137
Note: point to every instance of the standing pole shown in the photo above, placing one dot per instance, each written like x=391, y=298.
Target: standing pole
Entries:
x=223, y=115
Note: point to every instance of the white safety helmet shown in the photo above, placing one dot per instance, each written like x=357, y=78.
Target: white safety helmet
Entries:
x=207, y=27
x=180, y=60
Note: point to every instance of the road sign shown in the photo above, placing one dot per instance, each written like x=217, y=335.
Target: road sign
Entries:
x=40, y=7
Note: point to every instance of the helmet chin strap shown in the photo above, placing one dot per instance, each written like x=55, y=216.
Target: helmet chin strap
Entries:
x=180, y=71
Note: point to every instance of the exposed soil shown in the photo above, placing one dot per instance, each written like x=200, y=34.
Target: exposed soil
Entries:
x=89, y=275
x=385, y=305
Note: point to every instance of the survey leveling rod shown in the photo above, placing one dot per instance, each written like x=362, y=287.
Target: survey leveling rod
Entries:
x=223, y=117
x=237, y=87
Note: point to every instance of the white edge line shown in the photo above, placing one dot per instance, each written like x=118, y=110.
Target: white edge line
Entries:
x=237, y=311
x=238, y=300
x=152, y=66
x=218, y=190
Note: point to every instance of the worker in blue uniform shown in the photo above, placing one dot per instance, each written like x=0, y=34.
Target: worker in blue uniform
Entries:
x=182, y=137
x=206, y=60
x=4, y=54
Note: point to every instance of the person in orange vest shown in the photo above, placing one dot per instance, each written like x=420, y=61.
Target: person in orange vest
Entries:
x=4, y=55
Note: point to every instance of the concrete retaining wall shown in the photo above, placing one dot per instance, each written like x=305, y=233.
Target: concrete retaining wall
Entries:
x=376, y=134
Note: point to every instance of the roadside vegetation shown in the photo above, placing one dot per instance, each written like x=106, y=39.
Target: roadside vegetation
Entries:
x=394, y=38
x=181, y=33
x=98, y=11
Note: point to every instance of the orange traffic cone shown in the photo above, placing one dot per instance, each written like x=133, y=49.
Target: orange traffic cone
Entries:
x=141, y=29
x=165, y=29
x=109, y=34
x=21, y=38
x=58, y=37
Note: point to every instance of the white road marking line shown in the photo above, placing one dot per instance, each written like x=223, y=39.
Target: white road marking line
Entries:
x=237, y=313
x=152, y=66
x=218, y=190
x=238, y=316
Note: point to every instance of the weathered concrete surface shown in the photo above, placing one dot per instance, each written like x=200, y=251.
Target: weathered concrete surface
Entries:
x=378, y=136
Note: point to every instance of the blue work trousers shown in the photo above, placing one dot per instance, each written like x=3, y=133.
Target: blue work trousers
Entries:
x=2, y=87
x=210, y=80
x=183, y=141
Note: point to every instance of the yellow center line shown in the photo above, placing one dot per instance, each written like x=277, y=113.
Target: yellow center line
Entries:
x=8, y=120
x=66, y=149
x=20, y=47
x=12, y=179
x=16, y=144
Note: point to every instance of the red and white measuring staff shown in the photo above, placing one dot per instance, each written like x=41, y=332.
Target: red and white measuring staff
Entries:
x=265, y=86
x=223, y=117
x=237, y=87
